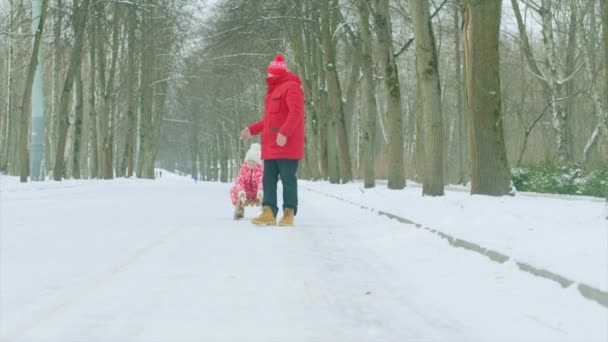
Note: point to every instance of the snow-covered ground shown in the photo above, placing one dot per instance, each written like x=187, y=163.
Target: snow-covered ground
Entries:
x=564, y=234
x=135, y=260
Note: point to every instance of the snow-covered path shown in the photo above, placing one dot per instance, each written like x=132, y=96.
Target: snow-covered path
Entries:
x=164, y=261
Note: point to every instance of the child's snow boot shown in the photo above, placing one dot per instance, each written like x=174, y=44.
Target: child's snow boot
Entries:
x=239, y=211
x=288, y=217
x=266, y=218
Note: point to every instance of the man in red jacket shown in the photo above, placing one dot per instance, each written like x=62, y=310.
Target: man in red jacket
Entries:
x=282, y=129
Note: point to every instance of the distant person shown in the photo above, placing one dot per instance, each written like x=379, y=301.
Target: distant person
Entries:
x=248, y=188
x=282, y=129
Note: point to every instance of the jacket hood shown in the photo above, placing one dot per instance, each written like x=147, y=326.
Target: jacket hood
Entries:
x=280, y=79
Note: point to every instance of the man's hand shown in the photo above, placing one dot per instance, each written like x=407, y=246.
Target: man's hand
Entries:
x=281, y=140
x=245, y=134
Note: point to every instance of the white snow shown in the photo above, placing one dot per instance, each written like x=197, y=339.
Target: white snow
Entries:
x=564, y=234
x=135, y=260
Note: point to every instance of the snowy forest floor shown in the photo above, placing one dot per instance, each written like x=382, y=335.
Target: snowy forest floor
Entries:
x=136, y=260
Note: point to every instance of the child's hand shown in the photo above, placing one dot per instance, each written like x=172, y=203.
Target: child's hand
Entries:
x=242, y=197
x=258, y=200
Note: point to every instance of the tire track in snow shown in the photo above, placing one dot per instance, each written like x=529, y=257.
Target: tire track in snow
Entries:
x=586, y=291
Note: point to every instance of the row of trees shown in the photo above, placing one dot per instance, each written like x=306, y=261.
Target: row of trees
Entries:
x=399, y=89
x=103, y=71
x=435, y=90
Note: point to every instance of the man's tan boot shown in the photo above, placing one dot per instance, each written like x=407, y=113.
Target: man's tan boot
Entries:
x=267, y=217
x=288, y=217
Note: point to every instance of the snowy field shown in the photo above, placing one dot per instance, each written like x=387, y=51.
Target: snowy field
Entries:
x=135, y=260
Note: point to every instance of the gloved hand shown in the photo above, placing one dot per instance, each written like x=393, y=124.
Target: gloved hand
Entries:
x=242, y=197
x=260, y=197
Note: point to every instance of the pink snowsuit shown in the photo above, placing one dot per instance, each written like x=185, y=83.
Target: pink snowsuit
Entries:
x=248, y=180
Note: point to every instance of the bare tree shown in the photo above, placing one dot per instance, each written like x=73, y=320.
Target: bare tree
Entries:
x=489, y=169
x=76, y=150
x=5, y=135
x=127, y=168
x=382, y=19
x=601, y=128
x=329, y=23
x=463, y=177
x=79, y=19
x=27, y=93
x=429, y=94
x=55, y=93
x=551, y=77
x=369, y=95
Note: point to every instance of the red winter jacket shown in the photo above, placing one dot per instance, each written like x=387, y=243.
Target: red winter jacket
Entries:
x=248, y=180
x=283, y=113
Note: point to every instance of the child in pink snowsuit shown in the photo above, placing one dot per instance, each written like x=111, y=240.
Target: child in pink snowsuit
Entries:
x=247, y=189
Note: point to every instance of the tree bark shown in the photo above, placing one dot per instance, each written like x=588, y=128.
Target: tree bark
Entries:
x=147, y=98
x=369, y=95
x=336, y=129
x=78, y=124
x=94, y=155
x=429, y=93
x=382, y=19
x=128, y=157
x=79, y=19
x=462, y=142
x=600, y=131
x=569, y=86
x=53, y=131
x=604, y=5
x=107, y=88
x=26, y=107
x=489, y=170
x=6, y=123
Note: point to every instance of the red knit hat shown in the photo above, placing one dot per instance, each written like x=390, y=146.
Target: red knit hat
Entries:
x=277, y=66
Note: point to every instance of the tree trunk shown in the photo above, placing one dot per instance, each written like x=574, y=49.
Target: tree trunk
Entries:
x=79, y=20
x=94, y=156
x=350, y=106
x=462, y=142
x=604, y=5
x=560, y=120
x=6, y=122
x=107, y=88
x=369, y=95
x=128, y=157
x=489, y=169
x=53, y=131
x=550, y=79
x=19, y=24
x=337, y=128
x=78, y=124
x=396, y=176
x=570, y=69
x=108, y=139
x=600, y=129
x=145, y=125
x=429, y=93
x=26, y=107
